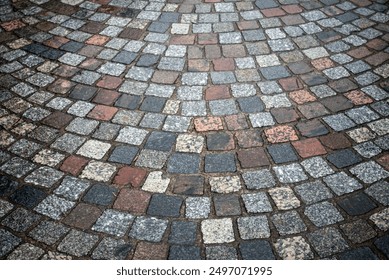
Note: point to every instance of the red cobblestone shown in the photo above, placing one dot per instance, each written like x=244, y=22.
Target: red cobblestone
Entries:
x=281, y=134
x=233, y=51
x=223, y=64
x=322, y=63
x=103, y=113
x=309, y=147
x=360, y=52
x=292, y=9
x=83, y=216
x=198, y=65
x=150, y=251
x=236, y=122
x=285, y=115
x=335, y=141
x=384, y=161
x=165, y=77
x=182, y=40
x=358, y=97
x=251, y=158
x=130, y=176
x=12, y=25
x=208, y=124
x=61, y=86
x=273, y=12
x=106, y=97
x=73, y=165
x=56, y=42
x=249, y=138
x=245, y=25
x=290, y=84
x=302, y=96
x=207, y=39
x=58, y=119
x=109, y=82
x=132, y=200
x=97, y=40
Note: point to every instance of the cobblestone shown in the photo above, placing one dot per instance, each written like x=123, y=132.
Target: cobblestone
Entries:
x=194, y=129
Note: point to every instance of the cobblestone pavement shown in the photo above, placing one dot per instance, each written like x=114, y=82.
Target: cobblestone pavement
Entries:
x=194, y=129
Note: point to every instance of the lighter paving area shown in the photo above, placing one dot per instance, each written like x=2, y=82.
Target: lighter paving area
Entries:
x=194, y=129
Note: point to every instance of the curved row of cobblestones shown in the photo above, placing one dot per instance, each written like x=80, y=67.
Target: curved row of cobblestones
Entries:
x=192, y=129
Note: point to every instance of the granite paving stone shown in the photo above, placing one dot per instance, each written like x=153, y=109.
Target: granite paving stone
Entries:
x=357, y=204
x=164, y=205
x=256, y=250
x=291, y=173
x=258, y=179
x=197, y=129
x=317, y=167
x=217, y=231
x=131, y=135
x=152, y=159
x=20, y=220
x=8, y=242
x=183, y=233
x=70, y=244
x=7, y=186
x=288, y=223
x=360, y=253
x=221, y=253
x=148, y=228
x=156, y=182
x=284, y=198
x=94, y=149
x=322, y=214
x=68, y=142
x=313, y=192
x=253, y=227
x=123, y=154
x=222, y=162
x=341, y=183
x=176, y=124
x=26, y=252
x=344, y=158
x=100, y=194
x=184, y=252
x=358, y=231
x=197, y=207
x=368, y=149
x=369, y=172
x=382, y=244
x=226, y=184
x=27, y=196
x=189, y=143
x=113, y=222
x=226, y=205
x=294, y=248
x=112, y=249
x=327, y=241
x=379, y=191
x=380, y=219
x=49, y=232
x=282, y=153
x=44, y=176
x=5, y=207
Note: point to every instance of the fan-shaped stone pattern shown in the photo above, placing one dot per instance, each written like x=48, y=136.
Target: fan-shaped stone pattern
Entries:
x=145, y=129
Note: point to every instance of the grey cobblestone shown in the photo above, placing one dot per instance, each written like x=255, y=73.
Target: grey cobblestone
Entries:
x=194, y=129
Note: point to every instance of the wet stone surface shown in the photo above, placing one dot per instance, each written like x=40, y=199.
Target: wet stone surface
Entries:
x=194, y=129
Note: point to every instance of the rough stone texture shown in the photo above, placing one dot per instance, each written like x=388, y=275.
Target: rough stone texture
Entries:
x=198, y=129
x=294, y=248
x=327, y=241
x=217, y=231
